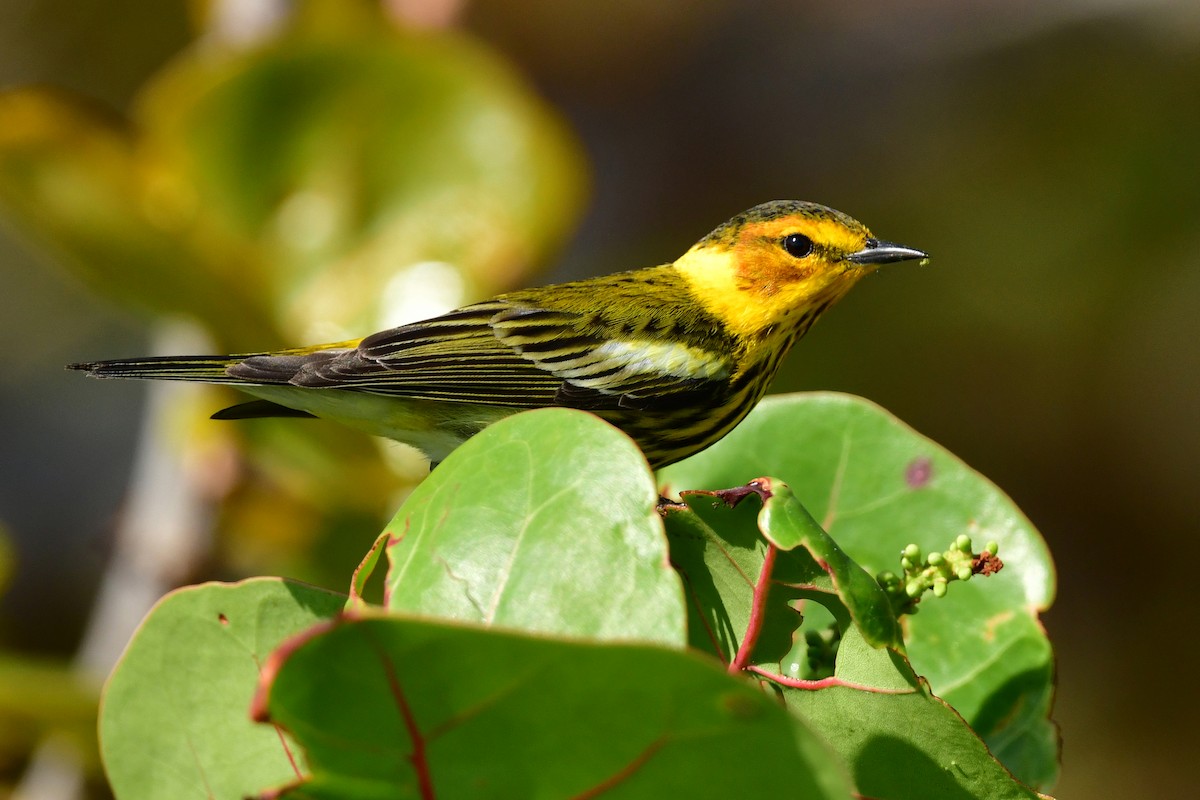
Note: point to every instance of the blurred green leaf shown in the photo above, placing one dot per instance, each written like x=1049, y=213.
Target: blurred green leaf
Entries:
x=175, y=721
x=345, y=153
x=543, y=522
x=40, y=697
x=336, y=176
x=410, y=708
x=320, y=184
x=71, y=176
x=876, y=485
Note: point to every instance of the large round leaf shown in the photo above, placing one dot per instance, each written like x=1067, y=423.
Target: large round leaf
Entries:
x=876, y=485
x=545, y=522
x=388, y=707
x=175, y=716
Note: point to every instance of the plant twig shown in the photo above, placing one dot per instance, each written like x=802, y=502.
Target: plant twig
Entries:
x=758, y=612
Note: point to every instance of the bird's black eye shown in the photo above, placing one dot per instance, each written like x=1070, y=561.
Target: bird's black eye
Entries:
x=797, y=245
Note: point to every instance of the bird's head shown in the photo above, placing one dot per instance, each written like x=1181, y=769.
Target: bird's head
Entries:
x=781, y=260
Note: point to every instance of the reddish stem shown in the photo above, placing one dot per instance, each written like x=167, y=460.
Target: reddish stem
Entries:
x=624, y=774
x=758, y=612
x=288, y=752
x=418, y=757
x=823, y=683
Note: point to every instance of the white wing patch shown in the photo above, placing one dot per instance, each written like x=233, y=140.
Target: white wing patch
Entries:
x=640, y=357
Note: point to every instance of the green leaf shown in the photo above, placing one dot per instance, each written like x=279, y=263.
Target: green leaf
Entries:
x=901, y=742
x=338, y=177
x=174, y=719
x=875, y=485
x=41, y=697
x=787, y=524
x=70, y=175
x=544, y=522
x=397, y=708
x=363, y=166
x=721, y=553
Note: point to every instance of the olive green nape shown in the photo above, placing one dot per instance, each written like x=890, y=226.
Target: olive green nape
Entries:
x=726, y=233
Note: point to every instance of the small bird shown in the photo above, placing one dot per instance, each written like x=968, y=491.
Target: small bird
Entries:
x=674, y=355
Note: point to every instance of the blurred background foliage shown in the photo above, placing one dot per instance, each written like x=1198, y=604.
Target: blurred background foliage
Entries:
x=288, y=173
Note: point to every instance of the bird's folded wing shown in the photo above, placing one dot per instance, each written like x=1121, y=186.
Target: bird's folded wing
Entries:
x=505, y=354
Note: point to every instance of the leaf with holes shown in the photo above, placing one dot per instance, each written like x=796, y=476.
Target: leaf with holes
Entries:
x=899, y=740
x=745, y=564
x=388, y=707
x=543, y=522
x=875, y=485
x=174, y=721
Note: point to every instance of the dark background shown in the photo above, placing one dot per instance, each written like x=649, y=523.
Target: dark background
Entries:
x=1047, y=158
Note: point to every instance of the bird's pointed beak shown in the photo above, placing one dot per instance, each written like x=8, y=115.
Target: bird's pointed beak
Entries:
x=878, y=251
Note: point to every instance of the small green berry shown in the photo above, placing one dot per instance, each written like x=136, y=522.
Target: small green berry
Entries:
x=992, y=548
x=939, y=587
x=963, y=543
x=887, y=579
x=964, y=573
x=912, y=552
x=913, y=588
x=935, y=559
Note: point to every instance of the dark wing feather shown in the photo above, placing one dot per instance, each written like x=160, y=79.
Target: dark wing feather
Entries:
x=509, y=353
x=454, y=357
x=622, y=342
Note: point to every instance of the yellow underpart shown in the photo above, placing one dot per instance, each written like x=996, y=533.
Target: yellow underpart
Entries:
x=712, y=275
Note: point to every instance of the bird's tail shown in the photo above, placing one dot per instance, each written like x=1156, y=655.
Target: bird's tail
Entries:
x=204, y=369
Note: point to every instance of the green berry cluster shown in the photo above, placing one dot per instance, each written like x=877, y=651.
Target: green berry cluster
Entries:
x=935, y=571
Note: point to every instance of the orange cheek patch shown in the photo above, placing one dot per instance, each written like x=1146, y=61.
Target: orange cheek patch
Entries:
x=763, y=266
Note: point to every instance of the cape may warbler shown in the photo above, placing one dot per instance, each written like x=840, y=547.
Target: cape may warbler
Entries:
x=674, y=355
